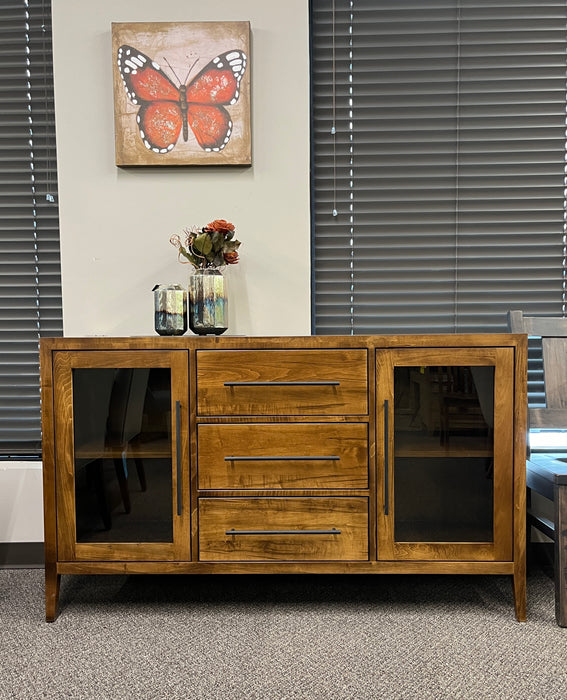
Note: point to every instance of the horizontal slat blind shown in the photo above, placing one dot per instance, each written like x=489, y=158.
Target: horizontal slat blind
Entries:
x=447, y=167
x=30, y=286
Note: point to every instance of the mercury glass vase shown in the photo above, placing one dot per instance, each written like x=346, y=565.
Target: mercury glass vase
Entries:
x=208, y=304
x=170, y=309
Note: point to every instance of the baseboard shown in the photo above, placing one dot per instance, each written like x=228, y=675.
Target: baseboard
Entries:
x=21, y=555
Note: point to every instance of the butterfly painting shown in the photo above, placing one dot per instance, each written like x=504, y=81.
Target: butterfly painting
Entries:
x=202, y=118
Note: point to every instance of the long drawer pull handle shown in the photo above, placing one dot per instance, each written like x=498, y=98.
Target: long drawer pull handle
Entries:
x=386, y=460
x=328, y=383
x=334, y=531
x=178, y=456
x=267, y=458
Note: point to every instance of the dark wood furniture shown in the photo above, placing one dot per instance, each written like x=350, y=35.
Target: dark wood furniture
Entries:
x=290, y=455
x=547, y=473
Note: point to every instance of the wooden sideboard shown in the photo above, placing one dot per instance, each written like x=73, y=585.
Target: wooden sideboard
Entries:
x=320, y=454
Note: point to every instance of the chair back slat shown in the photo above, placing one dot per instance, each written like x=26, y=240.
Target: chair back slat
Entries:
x=555, y=371
x=548, y=418
x=543, y=326
x=553, y=333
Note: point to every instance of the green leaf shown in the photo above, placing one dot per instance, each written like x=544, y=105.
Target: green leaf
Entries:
x=217, y=241
x=230, y=246
x=203, y=244
x=189, y=256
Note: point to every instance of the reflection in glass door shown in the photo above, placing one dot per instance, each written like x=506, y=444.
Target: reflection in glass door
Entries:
x=443, y=453
x=122, y=454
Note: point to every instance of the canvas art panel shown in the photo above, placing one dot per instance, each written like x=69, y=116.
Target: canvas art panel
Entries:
x=181, y=93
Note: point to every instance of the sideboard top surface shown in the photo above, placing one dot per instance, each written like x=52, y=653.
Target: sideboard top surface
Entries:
x=192, y=342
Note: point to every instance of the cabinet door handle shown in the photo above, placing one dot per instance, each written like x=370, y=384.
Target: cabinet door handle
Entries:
x=267, y=458
x=178, y=456
x=334, y=531
x=386, y=460
x=327, y=383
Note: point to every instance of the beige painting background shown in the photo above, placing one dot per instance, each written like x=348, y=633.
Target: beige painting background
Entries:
x=181, y=43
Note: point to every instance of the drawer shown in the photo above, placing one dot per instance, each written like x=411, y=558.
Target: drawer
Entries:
x=283, y=456
x=282, y=382
x=283, y=529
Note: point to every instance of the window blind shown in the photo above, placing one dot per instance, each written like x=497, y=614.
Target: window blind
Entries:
x=438, y=176
x=30, y=287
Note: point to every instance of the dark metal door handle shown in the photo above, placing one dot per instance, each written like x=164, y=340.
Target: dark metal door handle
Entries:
x=267, y=458
x=326, y=383
x=386, y=459
x=334, y=531
x=178, y=456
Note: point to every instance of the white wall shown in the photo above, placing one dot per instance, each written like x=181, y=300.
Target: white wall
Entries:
x=21, y=504
x=116, y=223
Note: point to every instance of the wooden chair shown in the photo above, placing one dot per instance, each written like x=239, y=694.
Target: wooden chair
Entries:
x=547, y=473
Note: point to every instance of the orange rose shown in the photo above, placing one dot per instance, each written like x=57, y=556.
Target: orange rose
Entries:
x=220, y=225
x=231, y=258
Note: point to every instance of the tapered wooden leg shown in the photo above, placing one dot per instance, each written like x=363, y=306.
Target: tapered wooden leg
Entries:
x=520, y=596
x=52, y=585
x=521, y=545
x=519, y=582
x=560, y=566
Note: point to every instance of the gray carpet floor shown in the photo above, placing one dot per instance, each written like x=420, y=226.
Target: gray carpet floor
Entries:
x=280, y=637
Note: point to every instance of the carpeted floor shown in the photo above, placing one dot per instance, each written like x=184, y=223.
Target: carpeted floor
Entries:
x=280, y=637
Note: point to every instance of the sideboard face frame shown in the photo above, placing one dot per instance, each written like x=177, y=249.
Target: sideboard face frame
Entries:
x=100, y=451
x=325, y=396
x=467, y=453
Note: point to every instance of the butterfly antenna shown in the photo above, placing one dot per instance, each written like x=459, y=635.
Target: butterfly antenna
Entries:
x=171, y=69
x=189, y=71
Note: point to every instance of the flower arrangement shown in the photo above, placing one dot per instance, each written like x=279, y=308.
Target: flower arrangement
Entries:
x=212, y=246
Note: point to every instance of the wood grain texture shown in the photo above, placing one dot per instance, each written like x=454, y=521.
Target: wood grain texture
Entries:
x=323, y=342
x=68, y=548
x=310, y=417
x=501, y=547
x=342, y=448
x=519, y=496
x=52, y=586
x=349, y=516
x=52, y=579
x=309, y=567
x=286, y=380
x=63, y=418
x=503, y=464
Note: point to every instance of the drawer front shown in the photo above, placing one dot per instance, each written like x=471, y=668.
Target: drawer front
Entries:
x=283, y=456
x=282, y=382
x=283, y=529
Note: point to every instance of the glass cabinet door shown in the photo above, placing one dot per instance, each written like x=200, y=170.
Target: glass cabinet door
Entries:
x=445, y=453
x=123, y=463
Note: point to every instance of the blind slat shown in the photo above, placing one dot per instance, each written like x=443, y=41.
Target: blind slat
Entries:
x=446, y=170
x=30, y=279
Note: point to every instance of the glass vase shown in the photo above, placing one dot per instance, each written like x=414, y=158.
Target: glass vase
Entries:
x=170, y=309
x=208, y=304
